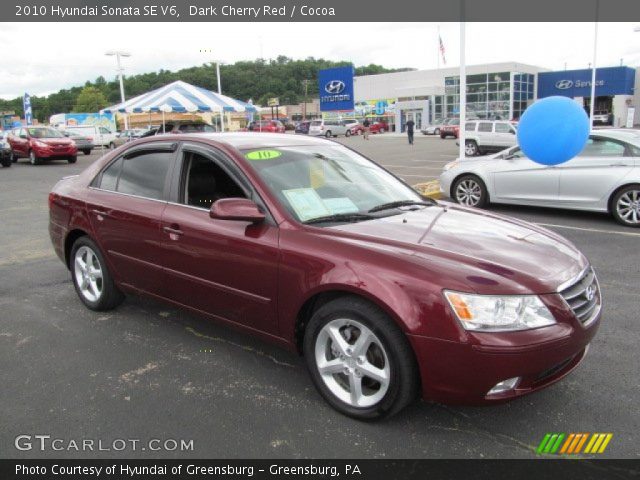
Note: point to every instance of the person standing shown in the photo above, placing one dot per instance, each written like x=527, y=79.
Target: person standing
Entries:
x=410, y=125
x=366, y=125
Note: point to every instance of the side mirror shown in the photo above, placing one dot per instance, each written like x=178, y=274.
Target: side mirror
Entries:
x=66, y=134
x=240, y=209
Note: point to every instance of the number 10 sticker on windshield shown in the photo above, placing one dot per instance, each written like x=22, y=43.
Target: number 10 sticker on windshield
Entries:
x=263, y=155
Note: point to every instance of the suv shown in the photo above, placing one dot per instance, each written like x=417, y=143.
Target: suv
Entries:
x=179, y=126
x=41, y=143
x=450, y=129
x=602, y=117
x=329, y=128
x=268, y=126
x=484, y=136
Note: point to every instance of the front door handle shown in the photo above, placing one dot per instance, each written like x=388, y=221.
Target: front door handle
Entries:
x=100, y=214
x=619, y=164
x=173, y=230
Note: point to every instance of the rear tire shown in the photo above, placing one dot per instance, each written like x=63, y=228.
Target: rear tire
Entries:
x=112, y=146
x=470, y=191
x=87, y=152
x=328, y=134
x=436, y=131
x=471, y=148
x=366, y=381
x=347, y=133
x=625, y=206
x=6, y=162
x=14, y=158
x=91, y=277
x=73, y=159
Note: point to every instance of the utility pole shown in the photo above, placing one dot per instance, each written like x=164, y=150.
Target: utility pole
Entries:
x=119, y=54
x=305, y=82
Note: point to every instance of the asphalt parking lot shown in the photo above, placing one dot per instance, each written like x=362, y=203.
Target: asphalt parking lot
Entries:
x=147, y=371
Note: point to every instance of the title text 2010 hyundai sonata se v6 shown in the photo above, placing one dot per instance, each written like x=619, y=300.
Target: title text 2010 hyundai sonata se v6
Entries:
x=310, y=245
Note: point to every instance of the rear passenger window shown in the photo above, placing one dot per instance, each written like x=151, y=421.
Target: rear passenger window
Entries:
x=503, y=128
x=143, y=175
x=485, y=126
x=470, y=126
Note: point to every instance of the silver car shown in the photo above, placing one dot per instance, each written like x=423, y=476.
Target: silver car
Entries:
x=328, y=128
x=604, y=177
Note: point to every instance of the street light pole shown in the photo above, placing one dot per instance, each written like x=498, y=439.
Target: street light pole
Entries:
x=306, y=85
x=593, y=71
x=118, y=54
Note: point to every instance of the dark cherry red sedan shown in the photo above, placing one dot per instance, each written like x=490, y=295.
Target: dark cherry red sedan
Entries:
x=308, y=244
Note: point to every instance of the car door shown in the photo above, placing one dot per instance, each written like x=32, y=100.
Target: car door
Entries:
x=125, y=209
x=225, y=268
x=504, y=135
x=517, y=179
x=19, y=142
x=587, y=179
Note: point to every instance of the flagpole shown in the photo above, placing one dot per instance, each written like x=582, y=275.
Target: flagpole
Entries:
x=438, y=47
x=593, y=70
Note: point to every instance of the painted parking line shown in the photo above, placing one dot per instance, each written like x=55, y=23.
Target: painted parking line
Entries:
x=595, y=230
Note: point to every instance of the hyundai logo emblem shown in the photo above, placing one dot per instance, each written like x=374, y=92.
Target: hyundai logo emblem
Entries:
x=335, y=87
x=590, y=293
x=564, y=84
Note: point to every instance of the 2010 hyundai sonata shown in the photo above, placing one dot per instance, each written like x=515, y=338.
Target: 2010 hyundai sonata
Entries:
x=308, y=244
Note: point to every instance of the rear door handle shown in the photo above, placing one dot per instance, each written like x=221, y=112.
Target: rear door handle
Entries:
x=619, y=164
x=101, y=214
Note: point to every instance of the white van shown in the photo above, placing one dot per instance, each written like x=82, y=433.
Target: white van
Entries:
x=102, y=137
x=329, y=128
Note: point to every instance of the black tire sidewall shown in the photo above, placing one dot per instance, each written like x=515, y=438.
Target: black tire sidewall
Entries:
x=111, y=296
x=380, y=325
x=473, y=144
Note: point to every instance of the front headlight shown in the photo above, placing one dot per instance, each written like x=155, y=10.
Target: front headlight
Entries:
x=451, y=165
x=490, y=313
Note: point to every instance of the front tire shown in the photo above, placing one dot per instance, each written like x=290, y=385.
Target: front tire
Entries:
x=359, y=360
x=443, y=136
x=6, y=161
x=436, y=131
x=347, y=133
x=625, y=206
x=73, y=159
x=470, y=191
x=14, y=158
x=91, y=277
x=33, y=158
x=328, y=134
x=112, y=146
x=87, y=152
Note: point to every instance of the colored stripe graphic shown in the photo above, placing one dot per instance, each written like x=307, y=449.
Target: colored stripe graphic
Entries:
x=572, y=443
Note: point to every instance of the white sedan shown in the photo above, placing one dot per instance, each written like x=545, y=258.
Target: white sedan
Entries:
x=604, y=177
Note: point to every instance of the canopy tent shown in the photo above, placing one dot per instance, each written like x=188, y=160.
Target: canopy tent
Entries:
x=180, y=97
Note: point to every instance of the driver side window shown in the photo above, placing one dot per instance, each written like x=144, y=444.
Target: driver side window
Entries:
x=205, y=181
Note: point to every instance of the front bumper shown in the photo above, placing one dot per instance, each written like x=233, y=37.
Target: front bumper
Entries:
x=53, y=153
x=464, y=372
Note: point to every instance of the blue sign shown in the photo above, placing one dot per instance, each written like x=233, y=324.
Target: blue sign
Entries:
x=28, y=114
x=577, y=83
x=336, y=89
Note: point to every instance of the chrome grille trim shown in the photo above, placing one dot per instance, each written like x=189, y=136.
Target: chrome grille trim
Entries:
x=582, y=295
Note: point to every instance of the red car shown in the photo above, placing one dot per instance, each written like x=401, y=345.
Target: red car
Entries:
x=269, y=126
x=41, y=143
x=308, y=244
x=451, y=129
x=379, y=127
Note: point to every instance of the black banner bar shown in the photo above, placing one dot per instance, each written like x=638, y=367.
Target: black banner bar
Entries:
x=564, y=469
x=318, y=10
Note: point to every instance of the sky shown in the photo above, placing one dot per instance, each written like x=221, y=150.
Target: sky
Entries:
x=41, y=58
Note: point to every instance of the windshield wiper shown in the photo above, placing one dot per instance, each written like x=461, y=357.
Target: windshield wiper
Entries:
x=401, y=203
x=340, y=217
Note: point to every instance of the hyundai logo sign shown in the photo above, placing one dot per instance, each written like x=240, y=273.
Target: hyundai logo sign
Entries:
x=564, y=84
x=334, y=87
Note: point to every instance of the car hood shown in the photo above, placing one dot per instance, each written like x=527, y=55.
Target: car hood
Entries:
x=487, y=252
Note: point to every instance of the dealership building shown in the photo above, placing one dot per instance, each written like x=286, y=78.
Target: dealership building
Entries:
x=496, y=91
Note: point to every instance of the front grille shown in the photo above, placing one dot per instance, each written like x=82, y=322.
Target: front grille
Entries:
x=583, y=296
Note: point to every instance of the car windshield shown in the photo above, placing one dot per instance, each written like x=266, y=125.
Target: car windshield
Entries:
x=44, y=133
x=320, y=181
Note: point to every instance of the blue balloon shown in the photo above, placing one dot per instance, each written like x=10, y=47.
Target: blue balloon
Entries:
x=553, y=130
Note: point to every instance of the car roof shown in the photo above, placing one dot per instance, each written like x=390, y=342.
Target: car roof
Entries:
x=629, y=136
x=249, y=140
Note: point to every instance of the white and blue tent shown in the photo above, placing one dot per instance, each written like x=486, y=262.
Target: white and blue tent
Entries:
x=180, y=97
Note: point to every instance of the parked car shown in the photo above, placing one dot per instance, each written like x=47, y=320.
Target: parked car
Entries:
x=267, y=126
x=435, y=128
x=379, y=127
x=328, y=128
x=179, y=126
x=83, y=143
x=604, y=177
x=41, y=143
x=486, y=136
x=101, y=136
x=5, y=149
x=602, y=117
x=303, y=127
x=132, y=134
x=310, y=245
x=451, y=129
x=353, y=126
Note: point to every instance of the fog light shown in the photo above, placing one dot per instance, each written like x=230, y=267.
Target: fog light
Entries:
x=504, y=386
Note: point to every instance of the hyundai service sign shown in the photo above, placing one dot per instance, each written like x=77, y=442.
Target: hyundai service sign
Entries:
x=336, y=89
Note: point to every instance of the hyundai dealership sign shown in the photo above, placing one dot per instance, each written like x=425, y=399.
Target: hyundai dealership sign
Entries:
x=577, y=83
x=336, y=89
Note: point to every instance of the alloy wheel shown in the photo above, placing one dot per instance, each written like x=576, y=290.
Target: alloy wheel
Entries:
x=470, y=149
x=88, y=274
x=628, y=207
x=469, y=193
x=352, y=362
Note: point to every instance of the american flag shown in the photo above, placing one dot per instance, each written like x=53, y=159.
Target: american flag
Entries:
x=444, y=60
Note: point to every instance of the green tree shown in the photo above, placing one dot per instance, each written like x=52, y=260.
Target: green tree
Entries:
x=90, y=99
